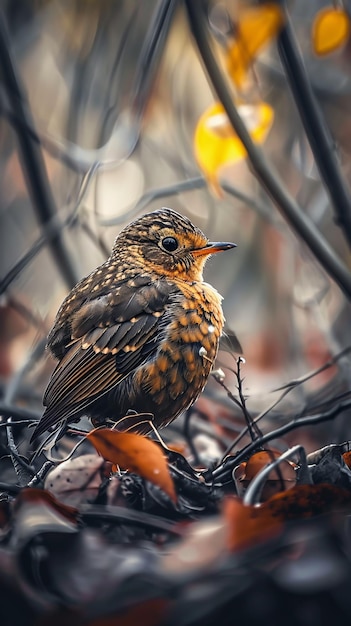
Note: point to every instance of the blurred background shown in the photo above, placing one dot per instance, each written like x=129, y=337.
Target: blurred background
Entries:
x=100, y=104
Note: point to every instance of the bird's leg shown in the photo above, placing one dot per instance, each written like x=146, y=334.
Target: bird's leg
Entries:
x=158, y=436
x=132, y=420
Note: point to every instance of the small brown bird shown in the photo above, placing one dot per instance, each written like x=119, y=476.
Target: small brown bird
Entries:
x=140, y=333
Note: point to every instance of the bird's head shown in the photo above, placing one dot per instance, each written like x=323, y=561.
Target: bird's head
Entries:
x=167, y=243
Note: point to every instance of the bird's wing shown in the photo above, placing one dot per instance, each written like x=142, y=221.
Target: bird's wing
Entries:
x=110, y=337
x=93, y=294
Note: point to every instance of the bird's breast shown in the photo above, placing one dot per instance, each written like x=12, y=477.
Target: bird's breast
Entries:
x=187, y=346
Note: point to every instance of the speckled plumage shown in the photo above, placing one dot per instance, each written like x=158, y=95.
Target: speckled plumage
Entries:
x=140, y=332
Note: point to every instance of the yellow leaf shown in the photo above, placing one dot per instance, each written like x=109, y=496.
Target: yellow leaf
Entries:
x=136, y=454
x=331, y=29
x=216, y=144
x=255, y=28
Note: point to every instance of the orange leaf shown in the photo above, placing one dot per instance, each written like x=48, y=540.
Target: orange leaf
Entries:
x=248, y=525
x=304, y=501
x=136, y=454
x=347, y=458
x=215, y=142
x=331, y=29
x=256, y=27
x=280, y=479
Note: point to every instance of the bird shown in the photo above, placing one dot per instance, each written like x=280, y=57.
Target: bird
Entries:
x=140, y=333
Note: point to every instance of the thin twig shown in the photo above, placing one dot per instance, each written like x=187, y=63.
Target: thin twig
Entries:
x=231, y=461
x=263, y=210
x=96, y=239
x=50, y=231
x=38, y=479
x=18, y=412
x=252, y=427
x=151, y=52
x=10, y=488
x=230, y=395
x=306, y=377
x=153, y=194
x=286, y=389
x=23, y=422
x=23, y=470
x=32, y=159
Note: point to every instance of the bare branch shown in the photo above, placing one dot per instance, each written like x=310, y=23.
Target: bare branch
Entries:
x=261, y=167
x=318, y=134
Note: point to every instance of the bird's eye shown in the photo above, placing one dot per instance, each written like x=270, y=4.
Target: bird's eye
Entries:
x=170, y=244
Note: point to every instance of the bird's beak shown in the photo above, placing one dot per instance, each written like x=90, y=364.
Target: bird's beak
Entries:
x=212, y=247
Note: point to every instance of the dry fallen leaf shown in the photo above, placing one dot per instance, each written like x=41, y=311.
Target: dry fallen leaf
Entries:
x=136, y=454
x=77, y=480
x=304, y=501
x=278, y=480
x=347, y=458
x=248, y=525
